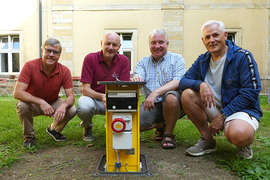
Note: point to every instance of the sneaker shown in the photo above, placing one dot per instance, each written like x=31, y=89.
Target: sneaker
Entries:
x=245, y=152
x=87, y=134
x=201, y=147
x=29, y=142
x=56, y=135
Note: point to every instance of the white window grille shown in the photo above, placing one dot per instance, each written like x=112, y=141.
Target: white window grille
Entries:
x=9, y=54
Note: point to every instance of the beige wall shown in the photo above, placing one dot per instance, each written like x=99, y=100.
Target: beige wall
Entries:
x=23, y=21
x=223, y=2
x=80, y=25
x=118, y=2
x=88, y=34
x=253, y=33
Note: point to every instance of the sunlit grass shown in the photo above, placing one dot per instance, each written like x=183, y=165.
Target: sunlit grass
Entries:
x=11, y=139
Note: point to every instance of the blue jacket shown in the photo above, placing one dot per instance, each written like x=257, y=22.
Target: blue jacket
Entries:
x=240, y=85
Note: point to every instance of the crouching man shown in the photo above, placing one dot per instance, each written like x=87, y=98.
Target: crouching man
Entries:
x=37, y=90
x=222, y=87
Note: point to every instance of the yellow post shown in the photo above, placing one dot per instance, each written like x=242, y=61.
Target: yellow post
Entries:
x=122, y=126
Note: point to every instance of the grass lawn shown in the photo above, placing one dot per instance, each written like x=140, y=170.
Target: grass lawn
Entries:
x=11, y=140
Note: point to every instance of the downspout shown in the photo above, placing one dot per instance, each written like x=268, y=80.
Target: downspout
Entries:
x=40, y=26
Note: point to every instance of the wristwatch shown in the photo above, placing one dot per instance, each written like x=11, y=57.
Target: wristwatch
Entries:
x=223, y=115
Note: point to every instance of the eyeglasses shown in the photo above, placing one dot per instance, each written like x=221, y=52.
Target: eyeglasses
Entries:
x=49, y=51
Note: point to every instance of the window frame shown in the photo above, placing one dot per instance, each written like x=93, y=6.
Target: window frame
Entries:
x=134, y=39
x=237, y=35
x=11, y=35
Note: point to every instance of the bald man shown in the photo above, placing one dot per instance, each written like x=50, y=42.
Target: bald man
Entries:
x=104, y=65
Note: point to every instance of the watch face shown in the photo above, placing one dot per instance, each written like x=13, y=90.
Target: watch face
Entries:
x=223, y=115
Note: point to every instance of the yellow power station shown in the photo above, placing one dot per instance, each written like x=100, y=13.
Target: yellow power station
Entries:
x=122, y=127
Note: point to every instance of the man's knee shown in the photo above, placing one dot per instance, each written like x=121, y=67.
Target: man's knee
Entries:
x=71, y=112
x=187, y=94
x=240, y=139
x=189, y=98
x=238, y=136
x=171, y=101
x=85, y=104
x=23, y=107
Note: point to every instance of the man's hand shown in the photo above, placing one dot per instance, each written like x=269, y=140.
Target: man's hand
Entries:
x=217, y=125
x=137, y=78
x=104, y=100
x=207, y=95
x=60, y=113
x=46, y=108
x=149, y=101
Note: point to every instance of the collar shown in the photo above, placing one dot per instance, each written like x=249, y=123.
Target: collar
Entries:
x=114, y=60
x=232, y=48
x=56, y=69
x=161, y=59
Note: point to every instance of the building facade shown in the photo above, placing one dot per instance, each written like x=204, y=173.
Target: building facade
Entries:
x=80, y=25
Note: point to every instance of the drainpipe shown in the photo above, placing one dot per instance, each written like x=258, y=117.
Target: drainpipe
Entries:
x=40, y=26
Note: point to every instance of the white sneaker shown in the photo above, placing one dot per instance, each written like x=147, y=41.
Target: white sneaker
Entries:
x=201, y=147
x=245, y=152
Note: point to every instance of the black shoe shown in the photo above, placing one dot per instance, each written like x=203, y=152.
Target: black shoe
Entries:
x=56, y=135
x=87, y=134
x=29, y=142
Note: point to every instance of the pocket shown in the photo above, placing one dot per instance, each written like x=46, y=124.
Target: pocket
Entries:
x=166, y=76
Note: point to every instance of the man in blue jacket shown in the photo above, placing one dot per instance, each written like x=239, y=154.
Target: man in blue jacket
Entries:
x=222, y=87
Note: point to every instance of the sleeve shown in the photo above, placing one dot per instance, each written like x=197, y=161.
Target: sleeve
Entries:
x=141, y=69
x=191, y=78
x=180, y=68
x=67, y=82
x=87, y=69
x=250, y=86
x=25, y=74
x=125, y=72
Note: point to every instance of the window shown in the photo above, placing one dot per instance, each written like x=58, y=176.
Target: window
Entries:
x=128, y=39
x=231, y=37
x=9, y=54
x=235, y=35
x=127, y=46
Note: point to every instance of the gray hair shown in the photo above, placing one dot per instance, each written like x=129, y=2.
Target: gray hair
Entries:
x=159, y=31
x=220, y=24
x=51, y=41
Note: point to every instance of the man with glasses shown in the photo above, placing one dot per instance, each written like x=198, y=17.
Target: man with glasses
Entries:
x=37, y=90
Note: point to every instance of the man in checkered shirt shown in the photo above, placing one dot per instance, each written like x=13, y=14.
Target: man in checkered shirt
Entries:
x=162, y=71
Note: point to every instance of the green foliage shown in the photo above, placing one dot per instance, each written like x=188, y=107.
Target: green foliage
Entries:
x=8, y=155
x=256, y=168
x=11, y=133
x=11, y=140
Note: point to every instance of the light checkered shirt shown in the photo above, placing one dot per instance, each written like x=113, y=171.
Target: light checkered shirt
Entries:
x=170, y=67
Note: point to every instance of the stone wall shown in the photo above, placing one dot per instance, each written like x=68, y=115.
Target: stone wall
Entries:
x=62, y=25
x=77, y=87
x=265, y=85
x=173, y=17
